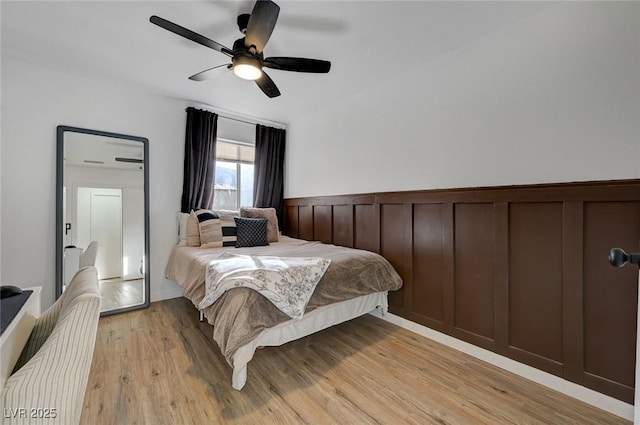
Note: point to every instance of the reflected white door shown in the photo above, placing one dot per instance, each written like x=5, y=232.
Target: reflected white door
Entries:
x=100, y=219
x=66, y=231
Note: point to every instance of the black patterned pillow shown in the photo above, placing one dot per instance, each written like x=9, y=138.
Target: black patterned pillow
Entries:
x=251, y=232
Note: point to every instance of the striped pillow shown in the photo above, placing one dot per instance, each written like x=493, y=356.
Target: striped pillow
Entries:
x=229, y=234
x=210, y=229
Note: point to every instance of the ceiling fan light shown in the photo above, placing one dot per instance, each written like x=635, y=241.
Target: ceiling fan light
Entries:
x=247, y=68
x=247, y=72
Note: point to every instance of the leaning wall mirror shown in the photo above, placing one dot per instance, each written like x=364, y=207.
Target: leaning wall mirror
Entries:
x=102, y=214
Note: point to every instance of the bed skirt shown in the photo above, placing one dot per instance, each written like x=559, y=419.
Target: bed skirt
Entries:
x=314, y=321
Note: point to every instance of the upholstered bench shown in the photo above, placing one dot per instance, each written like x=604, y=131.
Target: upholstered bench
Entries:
x=50, y=378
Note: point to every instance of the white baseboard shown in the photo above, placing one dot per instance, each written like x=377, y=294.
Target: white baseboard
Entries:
x=594, y=398
x=167, y=294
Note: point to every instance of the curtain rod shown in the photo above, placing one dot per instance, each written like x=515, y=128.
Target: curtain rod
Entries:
x=239, y=117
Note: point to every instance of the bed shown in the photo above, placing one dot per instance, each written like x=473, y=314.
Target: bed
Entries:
x=355, y=283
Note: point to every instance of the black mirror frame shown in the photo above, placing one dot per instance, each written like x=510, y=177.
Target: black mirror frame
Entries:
x=61, y=129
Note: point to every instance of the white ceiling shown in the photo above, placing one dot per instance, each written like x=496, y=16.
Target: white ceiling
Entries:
x=93, y=151
x=366, y=41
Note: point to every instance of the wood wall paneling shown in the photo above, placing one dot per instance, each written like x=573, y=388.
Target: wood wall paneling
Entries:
x=342, y=229
x=366, y=227
x=448, y=264
x=392, y=240
x=609, y=314
x=322, y=223
x=473, y=268
x=519, y=270
x=535, y=283
x=428, y=263
x=572, y=295
x=501, y=277
x=291, y=221
x=305, y=222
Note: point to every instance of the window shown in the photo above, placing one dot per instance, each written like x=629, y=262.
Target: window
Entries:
x=234, y=175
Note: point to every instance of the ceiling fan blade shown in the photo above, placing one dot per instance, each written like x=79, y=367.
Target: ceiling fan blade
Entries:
x=186, y=33
x=267, y=85
x=210, y=73
x=261, y=23
x=298, y=64
x=132, y=160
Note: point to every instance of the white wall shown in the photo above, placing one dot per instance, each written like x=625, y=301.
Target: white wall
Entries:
x=553, y=98
x=34, y=101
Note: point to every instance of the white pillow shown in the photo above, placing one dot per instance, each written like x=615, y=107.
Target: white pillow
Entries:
x=227, y=213
x=182, y=228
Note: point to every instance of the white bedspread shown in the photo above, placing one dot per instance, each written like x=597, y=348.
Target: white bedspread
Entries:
x=288, y=282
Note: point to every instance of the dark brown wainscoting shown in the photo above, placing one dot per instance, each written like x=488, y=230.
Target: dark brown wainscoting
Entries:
x=520, y=270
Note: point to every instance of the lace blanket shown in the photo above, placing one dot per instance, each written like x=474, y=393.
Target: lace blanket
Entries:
x=287, y=282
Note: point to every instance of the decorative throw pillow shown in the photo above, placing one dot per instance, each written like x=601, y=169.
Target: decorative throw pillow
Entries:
x=270, y=215
x=183, y=219
x=193, y=230
x=227, y=213
x=210, y=229
x=251, y=232
x=228, y=231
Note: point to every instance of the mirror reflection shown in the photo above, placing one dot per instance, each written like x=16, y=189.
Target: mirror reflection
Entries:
x=102, y=220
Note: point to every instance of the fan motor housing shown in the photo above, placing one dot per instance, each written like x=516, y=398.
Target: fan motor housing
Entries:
x=243, y=22
x=240, y=49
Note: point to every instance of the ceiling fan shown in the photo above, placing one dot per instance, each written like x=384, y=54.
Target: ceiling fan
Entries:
x=247, y=59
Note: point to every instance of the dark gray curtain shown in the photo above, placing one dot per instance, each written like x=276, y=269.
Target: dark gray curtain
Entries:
x=268, y=178
x=199, y=160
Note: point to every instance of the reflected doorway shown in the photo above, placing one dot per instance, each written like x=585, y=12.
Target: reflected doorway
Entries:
x=99, y=218
x=114, y=218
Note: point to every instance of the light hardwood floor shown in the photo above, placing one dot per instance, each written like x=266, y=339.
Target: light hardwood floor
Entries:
x=161, y=366
x=116, y=293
